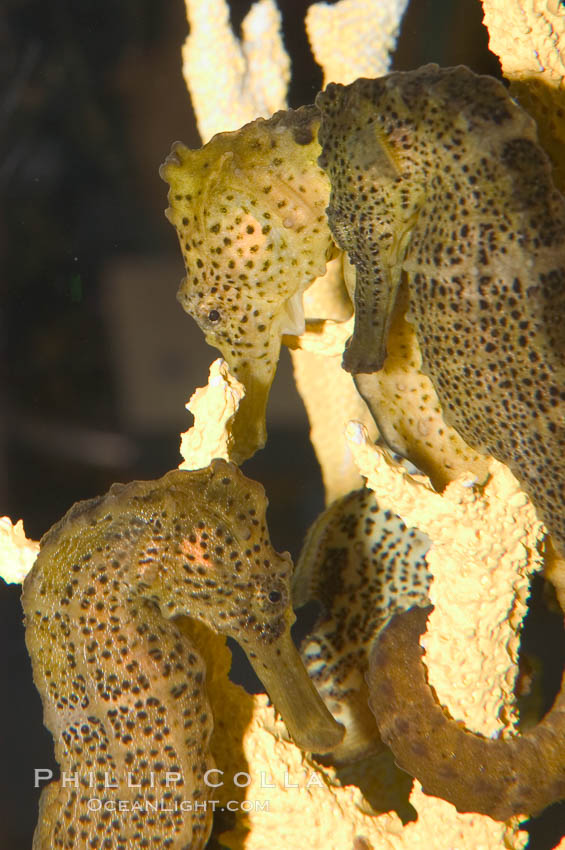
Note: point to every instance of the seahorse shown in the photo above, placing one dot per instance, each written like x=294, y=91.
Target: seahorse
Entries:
x=436, y=175
x=249, y=210
x=123, y=688
x=370, y=575
x=440, y=190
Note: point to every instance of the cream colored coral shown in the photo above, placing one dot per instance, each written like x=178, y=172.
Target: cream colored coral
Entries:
x=17, y=552
x=529, y=38
x=319, y=813
x=353, y=38
x=486, y=543
x=330, y=398
x=214, y=407
x=325, y=336
x=328, y=392
x=232, y=82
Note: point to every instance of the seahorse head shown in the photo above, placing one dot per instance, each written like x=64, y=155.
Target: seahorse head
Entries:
x=219, y=565
x=249, y=209
x=230, y=576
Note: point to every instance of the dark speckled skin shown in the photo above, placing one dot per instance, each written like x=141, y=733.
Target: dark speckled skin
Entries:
x=437, y=177
x=123, y=689
x=437, y=174
x=248, y=208
x=362, y=565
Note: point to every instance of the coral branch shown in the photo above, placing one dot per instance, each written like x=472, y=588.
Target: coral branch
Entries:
x=17, y=552
x=251, y=78
x=486, y=544
x=214, y=407
x=354, y=38
x=529, y=38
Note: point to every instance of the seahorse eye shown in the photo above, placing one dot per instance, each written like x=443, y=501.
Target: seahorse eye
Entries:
x=214, y=316
x=275, y=596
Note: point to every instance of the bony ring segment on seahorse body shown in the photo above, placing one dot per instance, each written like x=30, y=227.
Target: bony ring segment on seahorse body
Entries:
x=437, y=174
x=123, y=689
x=498, y=777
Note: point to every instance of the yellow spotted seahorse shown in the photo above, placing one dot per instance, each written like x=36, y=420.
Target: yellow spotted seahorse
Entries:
x=123, y=688
x=249, y=209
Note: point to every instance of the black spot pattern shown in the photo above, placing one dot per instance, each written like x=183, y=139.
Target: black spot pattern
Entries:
x=407, y=412
x=123, y=689
x=437, y=173
x=249, y=209
x=364, y=566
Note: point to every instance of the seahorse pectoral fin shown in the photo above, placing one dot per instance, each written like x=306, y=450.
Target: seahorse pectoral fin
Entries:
x=375, y=297
x=293, y=694
x=292, y=320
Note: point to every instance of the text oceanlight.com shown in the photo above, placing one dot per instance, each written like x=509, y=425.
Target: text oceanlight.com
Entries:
x=95, y=804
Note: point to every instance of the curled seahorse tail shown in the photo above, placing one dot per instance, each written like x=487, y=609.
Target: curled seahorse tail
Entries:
x=496, y=777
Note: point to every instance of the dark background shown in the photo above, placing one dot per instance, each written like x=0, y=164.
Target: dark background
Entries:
x=97, y=357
